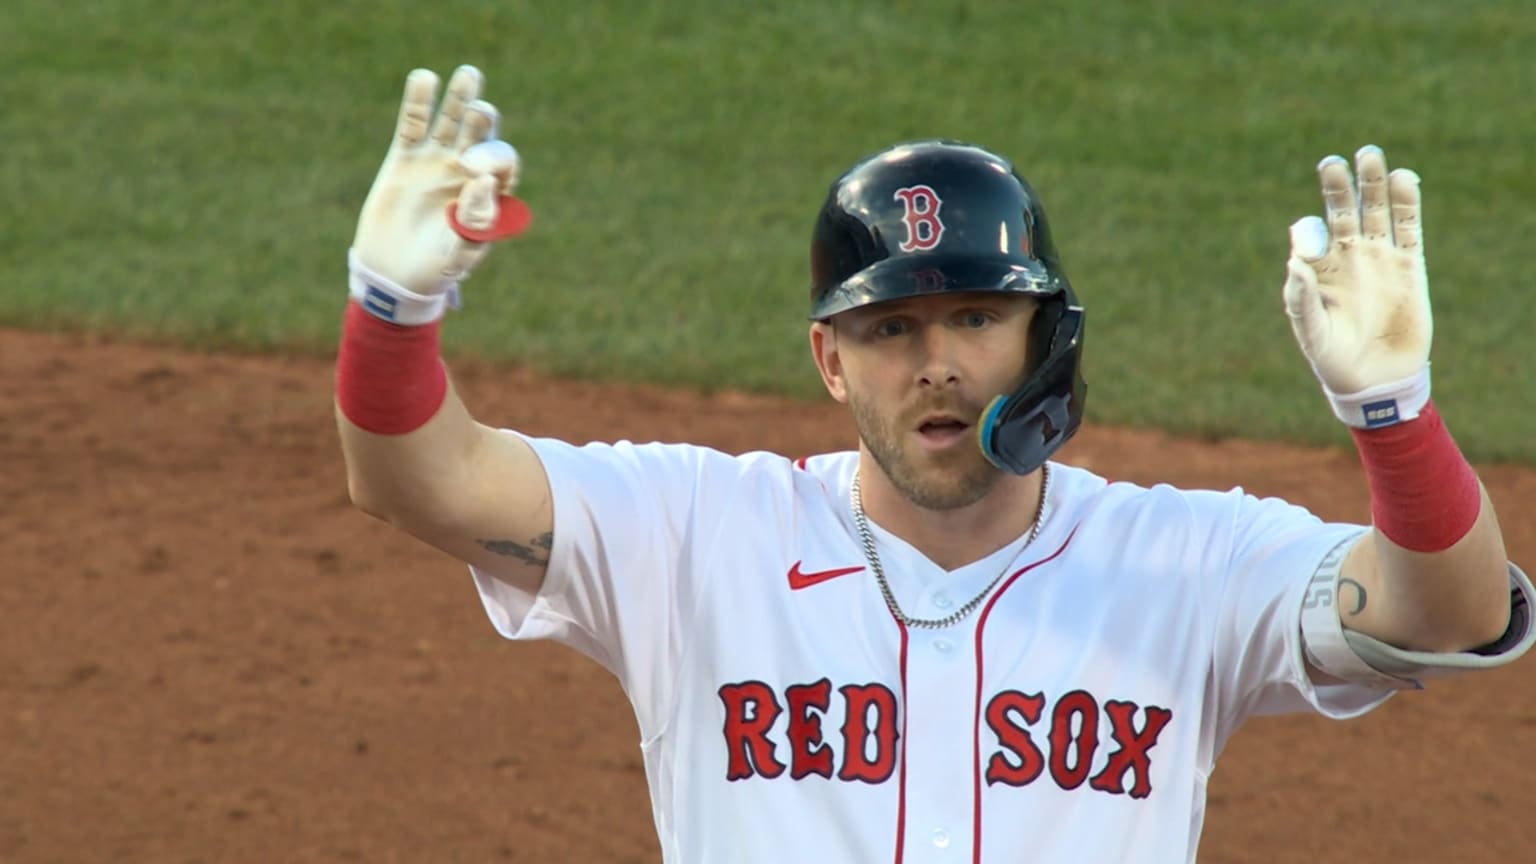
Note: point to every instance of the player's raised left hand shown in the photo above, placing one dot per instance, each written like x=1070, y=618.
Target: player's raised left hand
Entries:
x=1357, y=292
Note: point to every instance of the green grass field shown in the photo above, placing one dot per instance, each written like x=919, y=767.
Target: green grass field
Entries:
x=191, y=172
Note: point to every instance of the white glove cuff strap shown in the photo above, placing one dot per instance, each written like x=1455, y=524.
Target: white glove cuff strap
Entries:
x=1384, y=404
x=389, y=301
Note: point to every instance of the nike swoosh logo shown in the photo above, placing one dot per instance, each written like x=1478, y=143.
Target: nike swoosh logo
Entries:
x=798, y=580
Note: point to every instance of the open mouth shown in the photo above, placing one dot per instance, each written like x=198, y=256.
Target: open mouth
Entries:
x=940, y=427
x=942, y=430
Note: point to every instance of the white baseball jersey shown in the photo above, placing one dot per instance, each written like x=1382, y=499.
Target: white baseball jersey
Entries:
x=787, y=715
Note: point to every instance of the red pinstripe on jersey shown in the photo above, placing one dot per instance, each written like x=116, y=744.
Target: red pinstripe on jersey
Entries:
x=981, y=626
x=901, y=780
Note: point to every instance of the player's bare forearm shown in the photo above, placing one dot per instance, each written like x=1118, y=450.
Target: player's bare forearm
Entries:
x=473, y=492
x=1452, y=600
x=415, y=474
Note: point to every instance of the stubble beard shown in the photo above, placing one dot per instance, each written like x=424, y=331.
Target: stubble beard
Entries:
x=941, y=481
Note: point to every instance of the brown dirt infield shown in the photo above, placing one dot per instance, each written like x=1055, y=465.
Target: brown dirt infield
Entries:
x=209, y=656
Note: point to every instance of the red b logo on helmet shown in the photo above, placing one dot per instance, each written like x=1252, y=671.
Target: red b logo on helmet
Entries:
x=924, y=228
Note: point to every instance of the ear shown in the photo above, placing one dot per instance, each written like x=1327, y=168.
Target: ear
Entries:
x=828, y=361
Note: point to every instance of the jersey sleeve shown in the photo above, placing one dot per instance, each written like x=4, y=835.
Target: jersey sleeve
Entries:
x=621, y=577
x=1273, y=550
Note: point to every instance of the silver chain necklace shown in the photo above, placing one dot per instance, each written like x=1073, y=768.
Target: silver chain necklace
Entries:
x=868, y=538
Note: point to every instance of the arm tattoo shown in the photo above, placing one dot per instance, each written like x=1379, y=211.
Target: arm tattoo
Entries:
x=1359, y=606
x=528, y=554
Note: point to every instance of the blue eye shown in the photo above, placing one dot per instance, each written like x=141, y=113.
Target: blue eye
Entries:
x=977, y=320
x=891, y=327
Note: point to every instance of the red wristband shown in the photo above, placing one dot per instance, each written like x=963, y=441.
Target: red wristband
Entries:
x=1424, y=495
x=390, y=378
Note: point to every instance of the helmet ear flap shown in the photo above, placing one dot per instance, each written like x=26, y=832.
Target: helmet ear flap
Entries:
x=1020, y=432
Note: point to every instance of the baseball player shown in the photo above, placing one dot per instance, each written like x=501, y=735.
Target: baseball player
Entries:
x=943, y=646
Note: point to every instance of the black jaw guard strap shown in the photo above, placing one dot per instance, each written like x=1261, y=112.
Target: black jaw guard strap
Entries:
x=1019, y=432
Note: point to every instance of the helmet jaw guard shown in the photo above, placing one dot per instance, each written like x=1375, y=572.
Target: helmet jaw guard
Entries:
x=930, y=217
x=1021, y=431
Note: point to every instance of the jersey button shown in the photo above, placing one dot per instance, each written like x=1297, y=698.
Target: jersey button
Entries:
x=941, y=838
x=941, y=600
x=943, y=646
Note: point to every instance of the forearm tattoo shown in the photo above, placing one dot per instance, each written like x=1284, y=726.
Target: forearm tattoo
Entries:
x=1360, y=589
x=535, y=551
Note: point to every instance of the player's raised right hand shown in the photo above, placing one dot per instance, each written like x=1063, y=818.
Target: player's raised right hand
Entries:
x=442, y=155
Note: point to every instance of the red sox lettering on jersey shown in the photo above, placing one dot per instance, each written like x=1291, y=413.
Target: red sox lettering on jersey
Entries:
x=866, y=742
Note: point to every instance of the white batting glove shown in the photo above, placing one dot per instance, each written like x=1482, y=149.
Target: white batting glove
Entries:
x=443, y=192
x=1357, y=292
